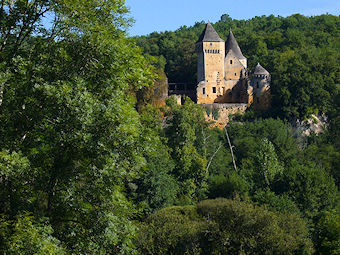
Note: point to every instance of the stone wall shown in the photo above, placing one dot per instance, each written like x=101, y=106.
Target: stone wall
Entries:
x=224, y=112
x=210, y=71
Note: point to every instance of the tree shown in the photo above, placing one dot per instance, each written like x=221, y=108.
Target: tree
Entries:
x=24, y=236
x=68, y=122
x=268, y=168
x=223, y=226
x=184, y=123
x=329, y=233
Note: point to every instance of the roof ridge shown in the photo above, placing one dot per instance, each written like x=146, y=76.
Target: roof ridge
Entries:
x=209, y=34
x=232, y=44
x=260, y=69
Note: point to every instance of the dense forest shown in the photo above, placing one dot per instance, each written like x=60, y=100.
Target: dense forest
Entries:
x=301, y=53
x=89, y=165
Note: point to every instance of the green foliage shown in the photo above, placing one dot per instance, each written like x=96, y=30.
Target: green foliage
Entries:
x=174, y=230
x=301, y=53
x=329, y=233
x=14, y=168
x=268, y=166
x=208, y=111
x=311, y=188
x=215, y=113
x=184, y=123
x=279, y=203
x=243, y=228
x=223, y=226
x=79, y=165
x=24, y=236
x=227, y=186
x=66, y=107
x=156, y=187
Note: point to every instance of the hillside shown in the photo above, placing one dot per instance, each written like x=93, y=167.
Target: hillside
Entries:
x=301, y=53
x=90, y=163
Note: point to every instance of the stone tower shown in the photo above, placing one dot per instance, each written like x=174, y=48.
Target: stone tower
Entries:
x=261, y=87
x=210, y=49
x=235, y=66
x=222, y=73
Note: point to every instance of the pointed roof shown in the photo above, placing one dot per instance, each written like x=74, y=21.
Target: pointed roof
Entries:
x=209, y=35
x=260, y=70
x=232, y=44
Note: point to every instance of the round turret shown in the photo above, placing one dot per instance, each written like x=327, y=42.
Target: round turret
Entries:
x=260, y=82
x=260, y=72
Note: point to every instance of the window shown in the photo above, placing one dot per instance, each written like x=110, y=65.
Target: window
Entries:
x=235, y=74
x=223, y=90
x=214, y=89
x=231, y=62
x=210, y=44
x=257, y=85
x=258, y=100
x=203, y=91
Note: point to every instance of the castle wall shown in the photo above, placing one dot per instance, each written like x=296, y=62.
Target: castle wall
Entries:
x=225, y=111
x=233, y=67
x=223, y=78
x=200, y=67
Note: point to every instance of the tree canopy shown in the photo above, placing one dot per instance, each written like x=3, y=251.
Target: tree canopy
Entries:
x=91, y=163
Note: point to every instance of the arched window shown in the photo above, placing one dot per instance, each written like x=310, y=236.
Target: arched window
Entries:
x=231, y=61
x=203, y=91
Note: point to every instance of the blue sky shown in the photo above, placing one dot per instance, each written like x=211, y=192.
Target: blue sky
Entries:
x=161, y=15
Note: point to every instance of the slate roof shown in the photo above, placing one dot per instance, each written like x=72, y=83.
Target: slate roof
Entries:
x=260, y=70
x=232, y=44
x=209, y=35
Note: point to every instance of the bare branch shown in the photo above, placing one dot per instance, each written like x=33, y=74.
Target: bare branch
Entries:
x=212, y=157
x=231, y=147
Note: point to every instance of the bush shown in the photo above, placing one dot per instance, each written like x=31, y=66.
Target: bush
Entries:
x=173, y=230
x=227, y=186
x=223, y=226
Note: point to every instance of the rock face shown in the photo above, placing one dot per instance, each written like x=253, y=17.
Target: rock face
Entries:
x=315, y=124
x=219, y=114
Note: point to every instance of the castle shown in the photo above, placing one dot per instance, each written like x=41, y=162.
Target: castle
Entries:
x=222, y=74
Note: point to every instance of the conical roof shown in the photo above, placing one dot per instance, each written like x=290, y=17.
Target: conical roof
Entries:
x=209, y=35
x=260, y=70
x=232, y=44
